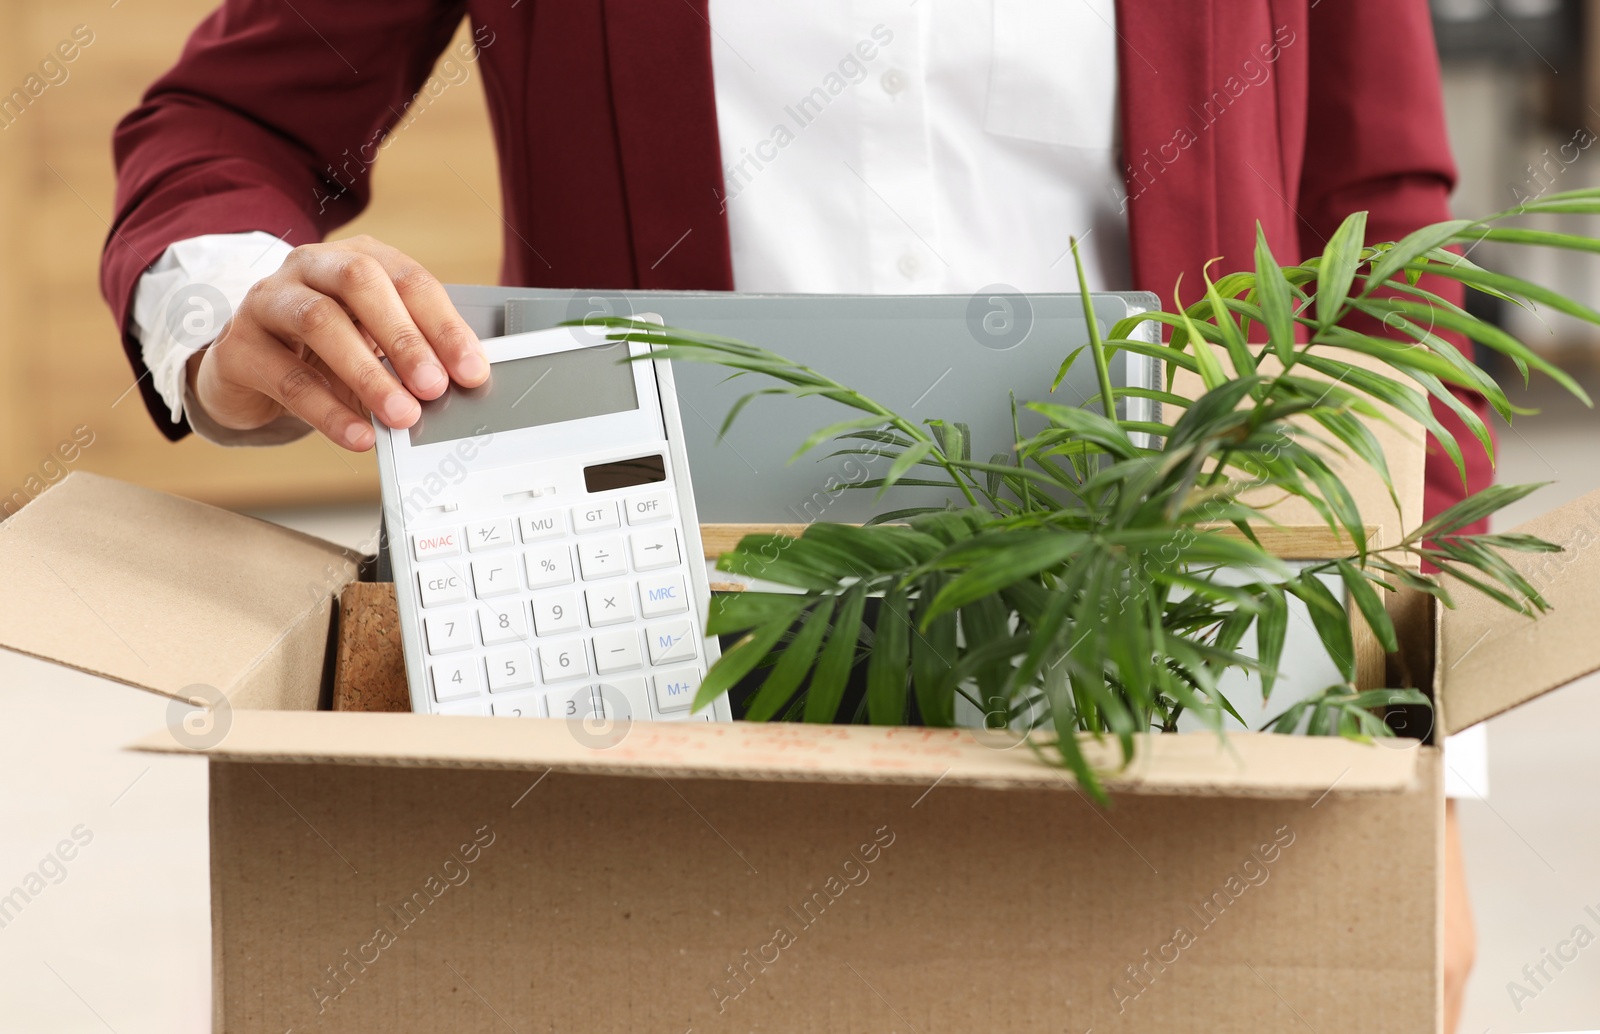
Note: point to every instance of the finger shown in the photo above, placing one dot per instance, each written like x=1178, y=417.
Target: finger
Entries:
x=308, y=394
x=309, y=318
x=410, y=314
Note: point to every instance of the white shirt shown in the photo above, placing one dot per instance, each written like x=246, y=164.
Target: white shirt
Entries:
x=867, y=147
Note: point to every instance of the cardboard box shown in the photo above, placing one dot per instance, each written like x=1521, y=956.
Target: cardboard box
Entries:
x=399, y=872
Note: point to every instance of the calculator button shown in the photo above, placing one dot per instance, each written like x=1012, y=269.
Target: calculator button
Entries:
x=489, y=534
x=675, y=689
x=671, y=641
x=494, y=577
x=627, y=699
x=601, y=558
x=610, y=604
x=527, y=707
x=617, y=651
x=501, y=623
x=472, y=708
x=555, y=613
x=563, y=659
x=547, y=566
x=441, y=584
x=510, y=668
x=454, y=680
x=431, y=545
x=655, y=548
x=541, y=525
x=448, y=632
x=662, y=595
x=650, y=506
x=594, y=517
x=572, y=703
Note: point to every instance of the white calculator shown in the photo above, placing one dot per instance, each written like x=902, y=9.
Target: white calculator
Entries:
x=542, y=530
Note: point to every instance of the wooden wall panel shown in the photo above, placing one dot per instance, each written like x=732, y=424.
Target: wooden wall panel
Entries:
x=61, y=366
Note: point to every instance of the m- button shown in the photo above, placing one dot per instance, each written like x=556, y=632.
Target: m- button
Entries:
x=651, y=506
x=594, y=517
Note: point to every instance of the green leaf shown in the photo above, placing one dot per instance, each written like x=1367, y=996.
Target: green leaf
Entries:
x=1472, y=509
x=1276, y=299
x=832, y=673
x=738, y=661
x=793, y=664
x=1329, y=619
x=1371, y=607
x=1338, y=268
x=739, y=611
x=887, y=665
x=997, y=564
x=1272, y=628
x=904, y=462
x=933, y=655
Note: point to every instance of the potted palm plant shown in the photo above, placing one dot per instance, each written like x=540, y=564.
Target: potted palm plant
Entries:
x=1101, y=577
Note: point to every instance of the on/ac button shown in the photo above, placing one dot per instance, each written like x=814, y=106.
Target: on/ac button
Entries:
x=427, y=545
x=648, y=506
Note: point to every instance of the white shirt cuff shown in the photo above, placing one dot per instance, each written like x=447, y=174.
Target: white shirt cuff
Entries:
x=1466, y=761
x=181, y=304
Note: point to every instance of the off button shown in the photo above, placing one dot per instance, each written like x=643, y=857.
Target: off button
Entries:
x=651, y=506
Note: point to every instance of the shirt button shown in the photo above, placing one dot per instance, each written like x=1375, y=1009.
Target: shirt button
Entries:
x=893, y=81
x=910, y=265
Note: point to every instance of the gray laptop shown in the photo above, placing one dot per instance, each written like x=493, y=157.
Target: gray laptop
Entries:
x=949, y=357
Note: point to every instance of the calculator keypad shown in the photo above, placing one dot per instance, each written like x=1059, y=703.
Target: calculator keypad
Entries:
x=519, y=611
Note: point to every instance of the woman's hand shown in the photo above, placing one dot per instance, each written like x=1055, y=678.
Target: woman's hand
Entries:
x=307, y=339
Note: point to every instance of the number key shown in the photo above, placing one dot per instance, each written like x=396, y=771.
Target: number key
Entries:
x=510, y=668
x=455, y=680
x=448, y=632
x=563, y=659
x=502, y=623
x=555, y=613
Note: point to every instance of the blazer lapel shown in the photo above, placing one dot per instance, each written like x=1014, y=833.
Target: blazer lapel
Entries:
x=1165, y=62
x=659, y=65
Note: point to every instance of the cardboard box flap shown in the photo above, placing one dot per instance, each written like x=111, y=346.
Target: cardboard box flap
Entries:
x=166, y=594
x=1243, y=765
x=1492, y=659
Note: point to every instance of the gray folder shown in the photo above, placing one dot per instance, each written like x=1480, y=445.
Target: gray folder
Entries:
x=951, y=357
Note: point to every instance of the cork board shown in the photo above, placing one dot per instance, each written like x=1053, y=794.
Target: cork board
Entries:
x=369, y=668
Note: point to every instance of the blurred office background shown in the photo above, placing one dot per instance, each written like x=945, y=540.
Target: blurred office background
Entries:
x=122, y=943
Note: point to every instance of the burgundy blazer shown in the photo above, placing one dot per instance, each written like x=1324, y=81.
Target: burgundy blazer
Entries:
x=1291, y=112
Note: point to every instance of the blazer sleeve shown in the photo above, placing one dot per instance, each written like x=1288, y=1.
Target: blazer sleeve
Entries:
x=1376, y=142
x=270, y=120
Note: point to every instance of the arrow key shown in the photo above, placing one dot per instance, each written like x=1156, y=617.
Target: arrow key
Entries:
x=654, y=548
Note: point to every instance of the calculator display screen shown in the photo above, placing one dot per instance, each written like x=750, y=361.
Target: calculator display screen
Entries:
x=537, y=390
